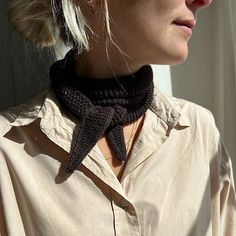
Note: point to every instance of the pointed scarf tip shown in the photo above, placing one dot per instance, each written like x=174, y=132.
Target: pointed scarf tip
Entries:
x=102, y=106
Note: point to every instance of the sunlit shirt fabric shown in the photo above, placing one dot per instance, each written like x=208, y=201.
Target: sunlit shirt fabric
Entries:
x=178, y=179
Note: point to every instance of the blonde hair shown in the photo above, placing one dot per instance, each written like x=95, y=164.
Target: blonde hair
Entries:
x=41, y=21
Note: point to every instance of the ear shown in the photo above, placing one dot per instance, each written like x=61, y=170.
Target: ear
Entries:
x=94, y=6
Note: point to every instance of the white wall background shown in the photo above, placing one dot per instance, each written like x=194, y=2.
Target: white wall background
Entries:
x=162, y=78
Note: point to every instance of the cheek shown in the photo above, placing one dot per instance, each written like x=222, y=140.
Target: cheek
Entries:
x=141, y=15
x=170, y=47
x=148, y=28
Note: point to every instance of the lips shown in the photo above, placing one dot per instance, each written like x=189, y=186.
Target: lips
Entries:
x=187, y=23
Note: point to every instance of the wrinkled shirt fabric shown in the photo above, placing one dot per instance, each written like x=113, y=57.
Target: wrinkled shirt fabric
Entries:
x=177, y=181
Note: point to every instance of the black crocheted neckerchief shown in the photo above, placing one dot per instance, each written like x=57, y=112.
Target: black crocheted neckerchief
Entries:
x=102, y=106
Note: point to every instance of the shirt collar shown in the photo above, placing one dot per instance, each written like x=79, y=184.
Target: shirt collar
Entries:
x=168, y=109
x=54, y=121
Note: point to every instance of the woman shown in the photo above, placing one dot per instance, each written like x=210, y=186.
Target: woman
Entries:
x=103, y=152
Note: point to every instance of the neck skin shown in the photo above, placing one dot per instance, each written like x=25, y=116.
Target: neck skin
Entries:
x=95, y=64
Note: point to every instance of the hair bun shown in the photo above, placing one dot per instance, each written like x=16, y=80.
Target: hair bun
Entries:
x=33, y=19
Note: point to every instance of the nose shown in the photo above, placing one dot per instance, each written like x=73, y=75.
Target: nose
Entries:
x=198, y=3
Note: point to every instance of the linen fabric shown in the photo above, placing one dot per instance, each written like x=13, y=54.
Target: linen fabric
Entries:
x=177, y=181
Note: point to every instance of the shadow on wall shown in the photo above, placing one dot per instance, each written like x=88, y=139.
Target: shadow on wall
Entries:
x=23, y=67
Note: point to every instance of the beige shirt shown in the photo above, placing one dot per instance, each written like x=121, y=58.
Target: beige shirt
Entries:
x=177, y=182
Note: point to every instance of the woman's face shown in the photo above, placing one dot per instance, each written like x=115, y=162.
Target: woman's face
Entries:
x=154, y=31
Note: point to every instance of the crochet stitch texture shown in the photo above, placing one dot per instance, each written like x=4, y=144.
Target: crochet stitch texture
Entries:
x=102, y=106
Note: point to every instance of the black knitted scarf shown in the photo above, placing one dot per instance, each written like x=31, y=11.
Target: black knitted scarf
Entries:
x=102, y=106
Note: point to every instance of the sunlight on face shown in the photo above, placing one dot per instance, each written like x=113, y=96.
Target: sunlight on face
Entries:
x=154, y=31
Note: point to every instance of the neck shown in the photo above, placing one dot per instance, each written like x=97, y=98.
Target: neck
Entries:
x=95, y=64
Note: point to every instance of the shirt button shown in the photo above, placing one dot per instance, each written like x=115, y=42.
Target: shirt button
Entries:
x=124, y=203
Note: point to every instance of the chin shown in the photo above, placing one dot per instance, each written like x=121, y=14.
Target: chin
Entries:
x=171, y=55
x=174, y=55
x=178, y=56
x=178, y=60
x=172, y=60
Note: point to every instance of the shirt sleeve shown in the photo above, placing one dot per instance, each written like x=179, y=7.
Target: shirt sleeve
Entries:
x=222, y=186
x=227, y=194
